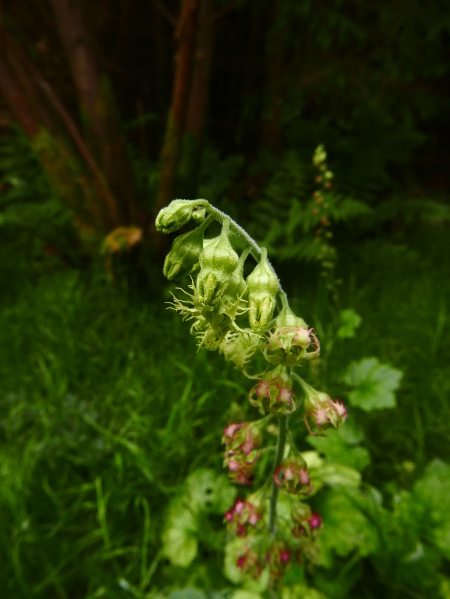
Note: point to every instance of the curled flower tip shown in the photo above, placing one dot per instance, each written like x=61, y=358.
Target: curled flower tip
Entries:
x=177, y=214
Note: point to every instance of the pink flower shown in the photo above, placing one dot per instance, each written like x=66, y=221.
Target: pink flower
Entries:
x=293, y=477
x=243, y=517
x=309, y=525
x=324, y=412
x=243, y=442
x=277, y=398
x=315, y=521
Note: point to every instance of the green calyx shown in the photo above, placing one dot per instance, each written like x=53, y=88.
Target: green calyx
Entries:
x=286, y=317
x=218, y=261
x=177, y=214
x=263, y=287
x=184, y=255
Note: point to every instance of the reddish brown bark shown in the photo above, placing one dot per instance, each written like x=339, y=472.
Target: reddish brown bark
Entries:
x=97, y=107
x=199, y=92
x=185, y=35
x=21, y=89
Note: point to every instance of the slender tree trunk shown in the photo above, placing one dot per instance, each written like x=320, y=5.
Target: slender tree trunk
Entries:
x=185, y=35
x=192, y=143
x=65, y=173
x=97, y=108
x=271, y=135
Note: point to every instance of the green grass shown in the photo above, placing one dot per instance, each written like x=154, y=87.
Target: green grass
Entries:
x=105, y=407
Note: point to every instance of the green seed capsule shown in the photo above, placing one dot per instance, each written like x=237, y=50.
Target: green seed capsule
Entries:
x=218, y=261
x=185, y=252
x=177, y=214
x=263, y=287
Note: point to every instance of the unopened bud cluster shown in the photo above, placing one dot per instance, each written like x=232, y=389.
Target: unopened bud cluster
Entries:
x=249, y=321
x=321, y=211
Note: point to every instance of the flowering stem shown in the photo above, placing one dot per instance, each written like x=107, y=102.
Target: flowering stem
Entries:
x=281, y=441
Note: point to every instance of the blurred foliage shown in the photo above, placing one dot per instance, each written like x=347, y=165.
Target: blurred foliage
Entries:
x=33, y=221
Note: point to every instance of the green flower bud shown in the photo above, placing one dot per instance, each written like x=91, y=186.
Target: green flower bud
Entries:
x=263, y=287
x=237, y=286
x=177, y=214
x=185, y=253
x=198, y=215
x=218, y=261
x=320, y=156
x=287, y=318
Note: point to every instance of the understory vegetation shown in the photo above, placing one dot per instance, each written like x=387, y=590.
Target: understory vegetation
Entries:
x=106, y=409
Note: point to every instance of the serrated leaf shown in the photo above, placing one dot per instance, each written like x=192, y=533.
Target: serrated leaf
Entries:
x=207, y=491
x=179, y=543
x=337, y=475
x=349, y=321
x=375, y=384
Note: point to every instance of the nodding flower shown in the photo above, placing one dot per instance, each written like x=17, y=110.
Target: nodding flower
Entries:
x=263, y=287
x=289, y=341
x=218, y=261
x=178, y=213
x=243, y=449
x=292, y=476
x=184, y=255
x=278, y=559
x=307, y=525
x=321, y=412
x=273, y=394
x=243, y=517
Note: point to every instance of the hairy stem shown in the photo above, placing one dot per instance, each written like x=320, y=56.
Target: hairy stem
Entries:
x=239, y=232
x=281, y=442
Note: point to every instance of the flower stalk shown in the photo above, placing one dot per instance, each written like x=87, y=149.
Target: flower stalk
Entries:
x=281, y=443
x=235, y=315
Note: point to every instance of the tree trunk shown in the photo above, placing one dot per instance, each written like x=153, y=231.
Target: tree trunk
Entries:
x=63, y=168
x=97, y=108
x=186, y=35
x=192, y=143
